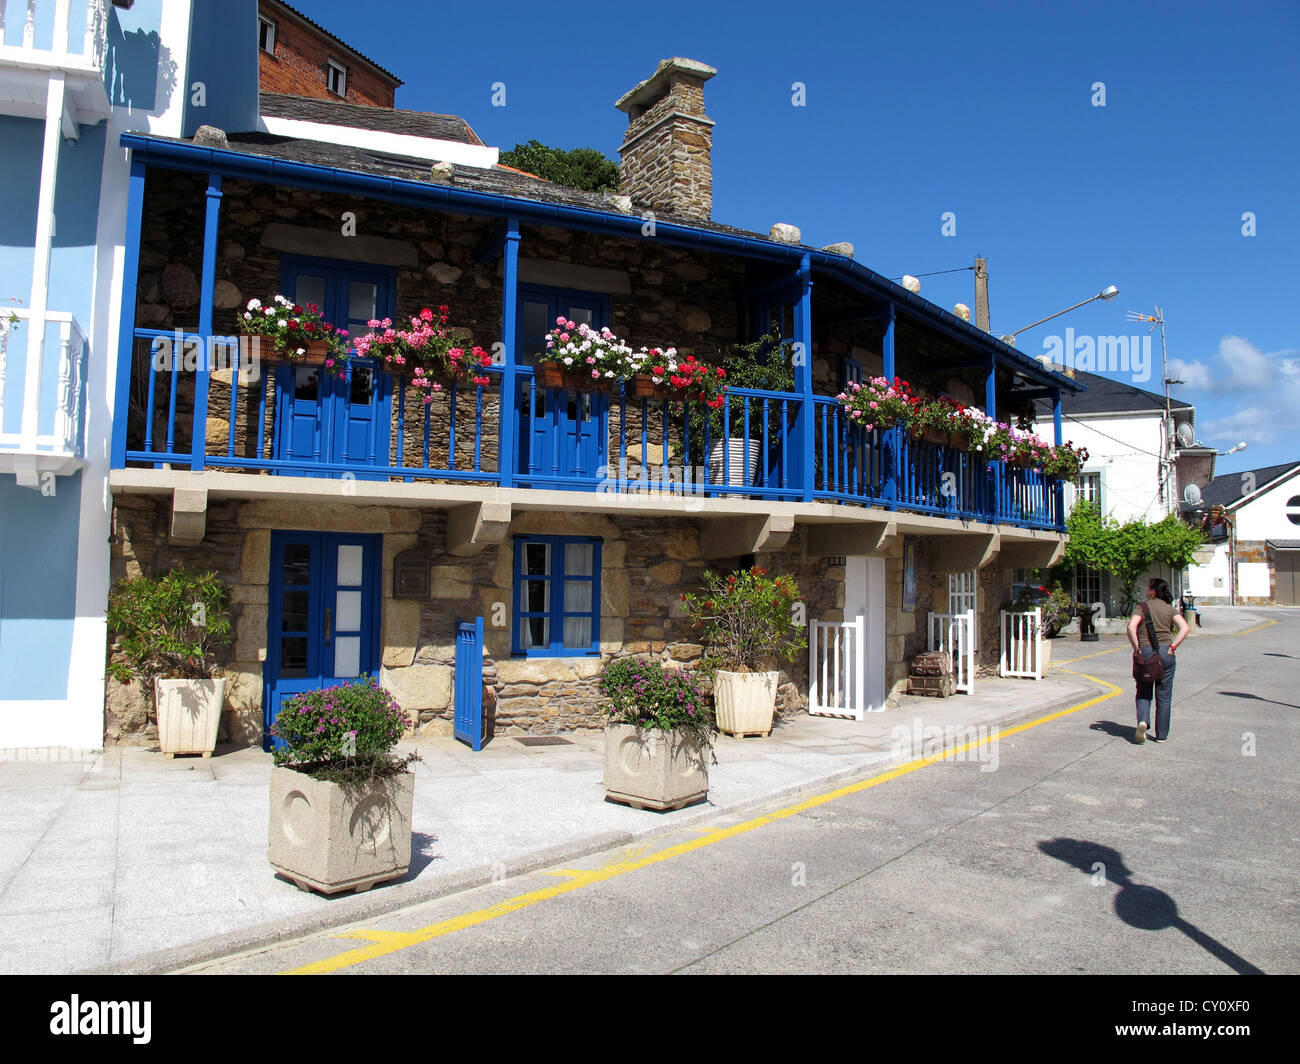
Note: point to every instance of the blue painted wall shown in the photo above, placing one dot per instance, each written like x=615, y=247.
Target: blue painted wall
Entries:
x=140, y=71
x=20, y=183
x=38, y=588
x=223, y=56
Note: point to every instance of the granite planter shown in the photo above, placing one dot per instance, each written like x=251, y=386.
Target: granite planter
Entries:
x=653, y=769
x=189, y=713
x=329, y=838
x=745, y=702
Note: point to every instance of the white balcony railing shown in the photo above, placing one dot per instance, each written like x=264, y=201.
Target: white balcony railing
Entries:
x=63, y=33
x=26, y=407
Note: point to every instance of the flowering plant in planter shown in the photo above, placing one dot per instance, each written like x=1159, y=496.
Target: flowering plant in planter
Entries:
x=1066, y=461
x=594, y=354
x=877, y=403
x=297, y=333
x=427, y=351
x=746, y=617
x=344, y=734
x=649, y=694
x=693, y=381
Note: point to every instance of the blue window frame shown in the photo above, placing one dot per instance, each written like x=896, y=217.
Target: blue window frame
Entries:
x=556, y=596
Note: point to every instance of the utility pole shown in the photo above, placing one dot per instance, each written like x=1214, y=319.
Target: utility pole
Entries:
x=1169, y=442
x=982, y=293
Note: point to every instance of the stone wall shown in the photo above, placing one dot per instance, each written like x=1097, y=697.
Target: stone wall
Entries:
x=647, y=564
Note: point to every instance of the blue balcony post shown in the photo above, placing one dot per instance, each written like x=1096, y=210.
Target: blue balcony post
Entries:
x=1058, y=489
x=126, y=321
x=207, y=282
x=803, y=379
x=890, y=446
x=991, y=408
x=507, y=405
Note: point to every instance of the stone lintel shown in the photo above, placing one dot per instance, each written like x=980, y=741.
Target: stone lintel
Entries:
x=189, y=516
x=332, y=244
x=961, y=553
x=731, y=537
x=848, y=538
x=1031, y=553
x=477, y=525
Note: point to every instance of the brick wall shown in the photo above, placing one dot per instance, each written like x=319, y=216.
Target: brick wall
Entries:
x=300, y=61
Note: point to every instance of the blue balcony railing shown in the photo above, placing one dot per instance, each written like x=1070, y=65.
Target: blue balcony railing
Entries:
x=296, y=421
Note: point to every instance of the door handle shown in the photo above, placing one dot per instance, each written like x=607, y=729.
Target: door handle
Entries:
x=328, y=619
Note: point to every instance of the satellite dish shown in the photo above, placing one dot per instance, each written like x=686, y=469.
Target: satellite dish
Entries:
x=1191, y=494
x=1186, y=434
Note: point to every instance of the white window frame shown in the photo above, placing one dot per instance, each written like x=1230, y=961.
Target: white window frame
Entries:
x=266, y=30
x=342, y=72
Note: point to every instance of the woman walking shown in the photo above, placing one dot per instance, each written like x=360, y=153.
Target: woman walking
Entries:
x=1162, y=628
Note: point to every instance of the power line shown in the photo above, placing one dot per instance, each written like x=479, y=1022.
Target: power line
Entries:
x=933, y=273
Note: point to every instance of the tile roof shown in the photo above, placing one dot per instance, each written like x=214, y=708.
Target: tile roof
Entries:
x=1225, y=490
x=359, y=116
x=1108, y=396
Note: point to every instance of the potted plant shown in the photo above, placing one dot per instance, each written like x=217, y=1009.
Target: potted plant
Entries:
x=877, y=403
x=427, y=353
x=584, y=358
x=166, y=630
x=659, y=738
x=1065, y=462
x=297, y=334
x=341, y=800
x=1055, y=609
x=748, y=621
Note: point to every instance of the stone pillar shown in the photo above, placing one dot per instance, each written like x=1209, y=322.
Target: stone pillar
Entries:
x=666, y=164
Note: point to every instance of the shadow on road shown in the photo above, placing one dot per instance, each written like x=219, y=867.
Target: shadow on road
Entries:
x=1144, y=907
x=1119, y=731
x=1257, y=698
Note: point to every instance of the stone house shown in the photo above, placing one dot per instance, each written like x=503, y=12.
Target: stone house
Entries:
x=358, y=526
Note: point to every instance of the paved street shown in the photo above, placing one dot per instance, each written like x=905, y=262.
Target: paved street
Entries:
x=1071, y=849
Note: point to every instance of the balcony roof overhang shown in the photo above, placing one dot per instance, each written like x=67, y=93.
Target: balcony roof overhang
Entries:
x=169, y=153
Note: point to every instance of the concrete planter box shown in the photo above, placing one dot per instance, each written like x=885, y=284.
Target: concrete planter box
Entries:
x=652, y=769
x=325, y=840
x=189, y=713
x=745, y=702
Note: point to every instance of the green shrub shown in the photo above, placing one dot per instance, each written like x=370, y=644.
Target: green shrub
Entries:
x=648, y=694
x=167, y=626
x=746, y=617
x=344, y=733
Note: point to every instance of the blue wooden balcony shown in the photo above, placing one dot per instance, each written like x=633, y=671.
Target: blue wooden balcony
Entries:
x=285, y=420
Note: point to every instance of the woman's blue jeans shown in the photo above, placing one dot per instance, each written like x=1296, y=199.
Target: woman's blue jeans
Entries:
x=1164, y=694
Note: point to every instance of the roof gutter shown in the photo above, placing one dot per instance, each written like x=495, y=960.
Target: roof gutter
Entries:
x=182, y=155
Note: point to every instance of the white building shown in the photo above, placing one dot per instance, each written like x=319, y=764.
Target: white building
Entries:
x=1130, y=471
x=1253, y=521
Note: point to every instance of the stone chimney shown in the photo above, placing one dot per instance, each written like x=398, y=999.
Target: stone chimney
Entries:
x=666, y=165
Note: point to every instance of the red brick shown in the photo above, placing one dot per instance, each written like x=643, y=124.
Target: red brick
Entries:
x=301, y=60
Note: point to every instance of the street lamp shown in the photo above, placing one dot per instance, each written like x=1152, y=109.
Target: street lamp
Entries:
x=1107, y=293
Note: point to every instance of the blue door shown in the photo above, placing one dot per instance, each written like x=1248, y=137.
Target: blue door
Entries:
x=563, y=434
x=468, y=724
x=327, y=419
x=323, y=615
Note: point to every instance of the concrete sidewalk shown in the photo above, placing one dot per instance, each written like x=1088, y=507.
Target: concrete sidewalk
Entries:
x=132, y=862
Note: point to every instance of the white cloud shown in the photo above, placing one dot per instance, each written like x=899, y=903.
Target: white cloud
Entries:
x=1238, y=367
x=1263, y=388
x=1253, y=425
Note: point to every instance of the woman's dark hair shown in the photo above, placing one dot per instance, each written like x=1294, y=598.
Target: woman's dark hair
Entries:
x=1161, y=589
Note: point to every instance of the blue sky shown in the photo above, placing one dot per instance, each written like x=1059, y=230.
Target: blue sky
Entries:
x=984, y=109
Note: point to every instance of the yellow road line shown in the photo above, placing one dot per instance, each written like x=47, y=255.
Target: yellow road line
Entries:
x=1082, y=657
x=383, y=943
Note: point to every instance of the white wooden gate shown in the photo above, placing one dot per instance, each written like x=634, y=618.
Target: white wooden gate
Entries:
x=1022, y=645
x=954, y=633
x=963, y=595
x=837, y=668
